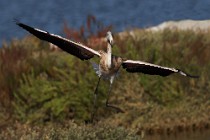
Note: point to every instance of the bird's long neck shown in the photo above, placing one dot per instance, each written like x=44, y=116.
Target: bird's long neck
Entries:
x=109, y=55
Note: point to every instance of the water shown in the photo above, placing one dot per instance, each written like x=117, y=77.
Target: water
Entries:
x=122, y=14
x=189, y=135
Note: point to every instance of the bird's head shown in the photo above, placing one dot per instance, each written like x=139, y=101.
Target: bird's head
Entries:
x=109, y=38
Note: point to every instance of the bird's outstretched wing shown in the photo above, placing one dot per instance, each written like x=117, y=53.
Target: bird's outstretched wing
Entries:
x=81, y=51
x=152, y=69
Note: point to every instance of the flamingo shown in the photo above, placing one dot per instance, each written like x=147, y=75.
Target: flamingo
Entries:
x=109, y=64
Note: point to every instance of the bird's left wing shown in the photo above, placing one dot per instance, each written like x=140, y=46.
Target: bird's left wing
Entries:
x=152, y=69
x=81, y=51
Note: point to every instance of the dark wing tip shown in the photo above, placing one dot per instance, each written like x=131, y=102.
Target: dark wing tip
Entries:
x=193, y=76
x=17, y=21
x=186, y=74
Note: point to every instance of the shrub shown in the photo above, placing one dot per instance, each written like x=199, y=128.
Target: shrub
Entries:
x=44, y=85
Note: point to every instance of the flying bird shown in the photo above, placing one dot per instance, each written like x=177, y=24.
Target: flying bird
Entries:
x=109, y=64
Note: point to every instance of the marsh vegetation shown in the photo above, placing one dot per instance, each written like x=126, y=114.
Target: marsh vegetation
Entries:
x=43, y=90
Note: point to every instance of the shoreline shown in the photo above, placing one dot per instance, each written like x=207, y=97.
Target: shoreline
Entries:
x=194, y=25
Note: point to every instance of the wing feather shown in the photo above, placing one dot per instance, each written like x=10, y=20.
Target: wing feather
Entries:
x=74, y=48
x=152, y=69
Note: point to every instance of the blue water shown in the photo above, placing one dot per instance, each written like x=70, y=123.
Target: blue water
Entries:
x=122, y=14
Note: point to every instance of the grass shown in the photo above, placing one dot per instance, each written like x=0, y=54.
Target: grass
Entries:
x=67, y=131
x=39, y=86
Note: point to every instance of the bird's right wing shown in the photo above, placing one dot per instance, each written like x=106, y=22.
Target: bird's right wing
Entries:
x=74, y=48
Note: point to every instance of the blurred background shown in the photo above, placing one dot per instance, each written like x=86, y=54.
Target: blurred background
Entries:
x=45, y=93
x=121, y=14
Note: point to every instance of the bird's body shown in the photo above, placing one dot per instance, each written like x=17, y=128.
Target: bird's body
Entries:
x=109, y=67
x=109, y=64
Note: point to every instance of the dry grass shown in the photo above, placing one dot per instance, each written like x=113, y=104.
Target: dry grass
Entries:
x=39, y=86
x=67, y=131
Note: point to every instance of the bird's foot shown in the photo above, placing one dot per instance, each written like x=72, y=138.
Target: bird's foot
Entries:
x=116, y=108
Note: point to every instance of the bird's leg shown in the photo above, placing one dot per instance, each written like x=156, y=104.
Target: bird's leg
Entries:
x=95, y=99
x=107, y=100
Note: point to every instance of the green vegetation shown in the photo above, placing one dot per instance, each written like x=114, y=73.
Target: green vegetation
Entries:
x=67, y=131
x=39, y=86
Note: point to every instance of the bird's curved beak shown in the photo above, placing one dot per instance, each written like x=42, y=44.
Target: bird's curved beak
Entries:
x=111, y=42
x=110, y=38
